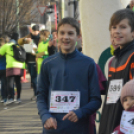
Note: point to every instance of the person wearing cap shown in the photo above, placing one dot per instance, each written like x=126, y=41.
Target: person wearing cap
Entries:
x=127, y=101
x=30, y=57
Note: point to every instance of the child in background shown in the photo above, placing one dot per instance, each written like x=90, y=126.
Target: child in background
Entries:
x=127, y=101
x=113, y=47
x=14, y=71
x=42, y=51
x=3, y=73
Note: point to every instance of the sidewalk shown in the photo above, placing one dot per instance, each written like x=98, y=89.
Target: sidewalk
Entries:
x=21, y=118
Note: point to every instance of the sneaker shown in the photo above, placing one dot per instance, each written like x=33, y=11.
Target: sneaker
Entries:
x=18, y=101
x=34, y=98
x=2, y=101
x=15, y=100
x=9, y=101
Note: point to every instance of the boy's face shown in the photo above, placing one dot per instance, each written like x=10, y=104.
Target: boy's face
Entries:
x=54, y=35
x=122, y=33
x=35, y=33
x=128, y=102
x=67, y=38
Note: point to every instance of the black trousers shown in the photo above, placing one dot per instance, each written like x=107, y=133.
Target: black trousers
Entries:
x=3, y=84
x=10, y=86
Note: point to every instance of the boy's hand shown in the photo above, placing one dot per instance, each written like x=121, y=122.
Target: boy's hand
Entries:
x=50, y=123
x=71, y=116
x=35, y=49
x=131, y=4
x=50, y=43
x=28, y=40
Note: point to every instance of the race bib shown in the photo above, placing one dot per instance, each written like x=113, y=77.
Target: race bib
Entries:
x=64, y=101
x=114, y=91
x=127, y=122
x=28, y=48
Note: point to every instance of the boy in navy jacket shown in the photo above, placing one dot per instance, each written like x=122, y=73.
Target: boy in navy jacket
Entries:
x=68, y=87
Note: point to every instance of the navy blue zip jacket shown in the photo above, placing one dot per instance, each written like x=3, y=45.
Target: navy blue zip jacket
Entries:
x=71, y=72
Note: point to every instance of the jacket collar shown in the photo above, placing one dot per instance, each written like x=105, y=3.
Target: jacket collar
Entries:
x=68, y=56
x=119, y=52
x=35, y=37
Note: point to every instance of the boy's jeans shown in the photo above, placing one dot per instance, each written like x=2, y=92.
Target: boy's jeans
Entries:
x=3, y=84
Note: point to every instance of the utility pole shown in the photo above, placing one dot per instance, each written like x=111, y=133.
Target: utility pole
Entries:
x=49, y=19
x=17, y=15
x=63, y=8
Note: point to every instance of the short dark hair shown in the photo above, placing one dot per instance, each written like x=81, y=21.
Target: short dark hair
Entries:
x=53, y=30
x=45, y=33
x=15, y=36
x=119, y=15
x=70, y=21
x=35, y=28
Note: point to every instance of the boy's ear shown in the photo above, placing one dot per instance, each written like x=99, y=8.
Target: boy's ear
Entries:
x=79, y=36
x=133, y=34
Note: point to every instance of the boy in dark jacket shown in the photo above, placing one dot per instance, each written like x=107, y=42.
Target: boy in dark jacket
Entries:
x=68, y=87
x=121, y=69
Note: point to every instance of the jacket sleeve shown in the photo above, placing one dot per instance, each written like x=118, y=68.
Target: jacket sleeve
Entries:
x=94, y=94
x=21, y=41
x=131, y=70
x=3, y=50
x=43, y=93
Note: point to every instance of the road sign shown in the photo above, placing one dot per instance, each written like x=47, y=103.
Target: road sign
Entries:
x=42, y=9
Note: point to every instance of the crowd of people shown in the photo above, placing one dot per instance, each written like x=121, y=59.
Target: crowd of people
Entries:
x=67, y=85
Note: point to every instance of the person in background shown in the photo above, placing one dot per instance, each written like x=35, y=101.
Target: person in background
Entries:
x=14, y=37
x=79, y=44
x=14, y=71
x=3, y=74
x=113, y=47
x=42, y=51
x=131, y=4
x=53, y=43
x=30, y=57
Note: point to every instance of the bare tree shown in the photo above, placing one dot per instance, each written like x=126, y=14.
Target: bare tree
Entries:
x=17, y=12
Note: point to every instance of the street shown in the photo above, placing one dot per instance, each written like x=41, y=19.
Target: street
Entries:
x=21, y=118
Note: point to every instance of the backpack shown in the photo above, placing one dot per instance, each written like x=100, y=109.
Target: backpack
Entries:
x=19, y=53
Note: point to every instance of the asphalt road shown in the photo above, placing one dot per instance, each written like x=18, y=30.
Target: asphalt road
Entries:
x=21, y=118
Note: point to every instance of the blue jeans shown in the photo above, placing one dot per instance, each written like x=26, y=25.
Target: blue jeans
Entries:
x=33, y=73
